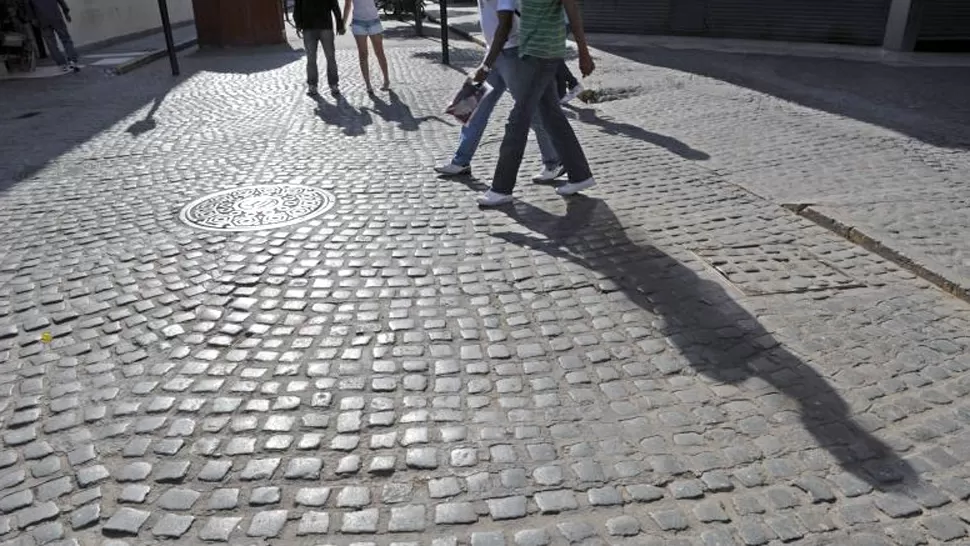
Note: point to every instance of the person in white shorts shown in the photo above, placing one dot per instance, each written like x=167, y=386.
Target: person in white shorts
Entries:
x=367, y=22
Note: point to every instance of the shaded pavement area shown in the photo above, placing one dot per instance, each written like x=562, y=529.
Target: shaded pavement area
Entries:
x=671, y=359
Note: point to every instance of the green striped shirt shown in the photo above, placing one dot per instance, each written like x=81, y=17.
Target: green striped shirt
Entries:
x=542, y=31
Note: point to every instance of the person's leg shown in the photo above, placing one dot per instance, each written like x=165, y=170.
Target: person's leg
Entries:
x=378, y=41
x=563, y=137
x=310, y=39
x=330, y=52
x=65, y=36
x=50, y=38
x=536, y=77
x=471, y=133
x=562, y=78
x=509, y=65
x=362, y=55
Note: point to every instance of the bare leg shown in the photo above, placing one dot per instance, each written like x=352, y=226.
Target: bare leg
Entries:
x=378, y=41
x=362, y=55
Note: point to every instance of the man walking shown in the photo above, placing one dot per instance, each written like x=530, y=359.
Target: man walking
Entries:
x=51, y=15
x=542, y=47
x=504, y=76
x=314, y=20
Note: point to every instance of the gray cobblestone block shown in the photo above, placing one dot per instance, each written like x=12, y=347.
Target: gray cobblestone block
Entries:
x=644, y=493
x=361, y=522
x=625, y=526
x=944, y=527
x=554, y=502
x=786, y=528
x=314, y=523
x=896, y=505
x=178, y=499
x=86, y=515
x=455, y=513
x=171, y=472
x=312, y=496
x=353, y=497
x=224, y=499
x=670, y=520
x=267, y=524
x=172, y=526
x=711, y=510
x=508, y=508
x=126, y=521
x=259, y=469
x=16, y=501
x=304, y=468
x=262, y=496
x=407, y=519
x=48, y=533
x=219, y=529
x=604, y=496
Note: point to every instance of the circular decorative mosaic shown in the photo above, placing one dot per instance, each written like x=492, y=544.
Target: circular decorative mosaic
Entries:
x=255, y=208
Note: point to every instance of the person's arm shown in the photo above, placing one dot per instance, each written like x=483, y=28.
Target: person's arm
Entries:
x=586, y=65
x=298, y=15
x=335, y=6
x=505, y=19
x=65, y=9
x=348, y=7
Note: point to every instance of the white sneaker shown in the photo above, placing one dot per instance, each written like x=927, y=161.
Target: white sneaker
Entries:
x=66, y=69
x=575, y=187
x=572, y=93
x=450, y=169
x=548, y=175
x=493, y=199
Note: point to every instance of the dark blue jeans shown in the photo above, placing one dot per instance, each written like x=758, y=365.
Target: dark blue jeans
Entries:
x=538, y=96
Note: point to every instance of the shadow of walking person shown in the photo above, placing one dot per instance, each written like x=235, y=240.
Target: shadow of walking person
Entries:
x=589, y=116
x=714, y=334
x=398, y=111
x=354, y=122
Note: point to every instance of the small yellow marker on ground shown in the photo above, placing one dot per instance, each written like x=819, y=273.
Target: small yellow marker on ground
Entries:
x=46, y=337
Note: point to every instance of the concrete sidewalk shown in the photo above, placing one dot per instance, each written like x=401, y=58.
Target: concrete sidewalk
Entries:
x=233, y=313
x=899, y=191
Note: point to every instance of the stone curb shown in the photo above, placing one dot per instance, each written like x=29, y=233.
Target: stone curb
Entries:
x=149, y=58
x=876, y=246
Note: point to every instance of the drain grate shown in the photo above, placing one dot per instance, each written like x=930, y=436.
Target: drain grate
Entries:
x=759, y=270
x=256, y=208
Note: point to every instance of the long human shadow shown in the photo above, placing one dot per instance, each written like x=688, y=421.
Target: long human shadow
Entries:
x=343, y=114
x=718, y=337
x=398, y=111
x=610, y=127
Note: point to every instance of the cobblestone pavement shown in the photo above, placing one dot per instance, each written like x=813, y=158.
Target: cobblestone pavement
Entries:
x=669, y=360
x=879, y=148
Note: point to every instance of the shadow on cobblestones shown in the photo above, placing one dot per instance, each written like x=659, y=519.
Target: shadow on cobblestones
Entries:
x=716, y=336
x=343, y=114
x=610, y=127
x=397, y=111
x=926, y=103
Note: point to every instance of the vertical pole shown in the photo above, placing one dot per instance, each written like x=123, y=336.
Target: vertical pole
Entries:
x=169, y=40
x=419, y=17
x=902, y=28
x=445, y=58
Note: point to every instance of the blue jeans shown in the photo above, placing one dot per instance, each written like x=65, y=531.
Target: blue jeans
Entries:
x=539, y=98
x=506, y=74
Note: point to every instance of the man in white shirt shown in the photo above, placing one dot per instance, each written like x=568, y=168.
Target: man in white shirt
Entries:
x=504, y=75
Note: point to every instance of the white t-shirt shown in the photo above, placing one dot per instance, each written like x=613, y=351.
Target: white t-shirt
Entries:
x=488, y=14
x=365, y=10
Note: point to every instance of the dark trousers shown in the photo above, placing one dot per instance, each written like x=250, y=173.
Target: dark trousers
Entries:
x=564, y=79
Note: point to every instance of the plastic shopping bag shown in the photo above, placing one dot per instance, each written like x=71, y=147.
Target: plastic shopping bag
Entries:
x=466, y=101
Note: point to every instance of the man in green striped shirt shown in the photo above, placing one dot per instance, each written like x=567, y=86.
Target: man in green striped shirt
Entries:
x=542, y=46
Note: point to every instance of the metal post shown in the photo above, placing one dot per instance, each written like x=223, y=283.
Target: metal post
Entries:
x=419, y=17
x=443, y=5
x=169, y=40
x=902, y=28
